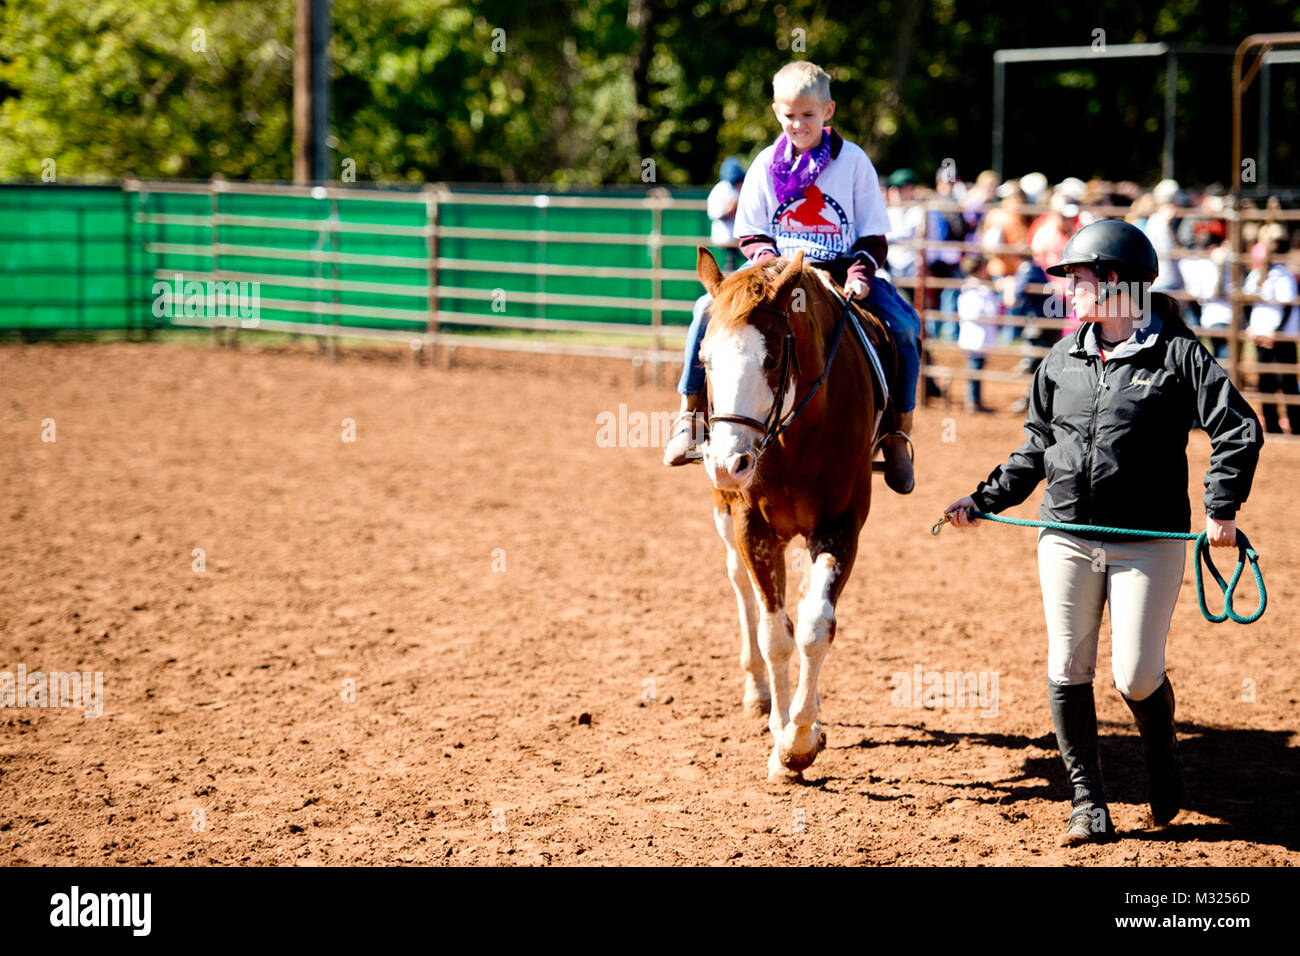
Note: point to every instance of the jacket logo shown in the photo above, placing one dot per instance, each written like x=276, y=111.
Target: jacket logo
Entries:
x=1140, y=381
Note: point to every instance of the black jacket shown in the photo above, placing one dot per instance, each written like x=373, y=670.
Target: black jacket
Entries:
x=1111, y=438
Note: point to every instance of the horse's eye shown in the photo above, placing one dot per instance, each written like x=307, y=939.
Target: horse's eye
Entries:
x=769, y=362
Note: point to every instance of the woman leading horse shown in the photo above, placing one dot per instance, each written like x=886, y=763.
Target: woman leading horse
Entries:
x=1109, y=414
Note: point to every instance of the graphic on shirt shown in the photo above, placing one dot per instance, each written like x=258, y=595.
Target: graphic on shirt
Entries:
x=813, y=222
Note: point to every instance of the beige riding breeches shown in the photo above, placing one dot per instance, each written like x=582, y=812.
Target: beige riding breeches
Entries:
x=1139, y=580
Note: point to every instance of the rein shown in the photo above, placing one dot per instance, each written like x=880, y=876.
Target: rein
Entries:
x=773, y=425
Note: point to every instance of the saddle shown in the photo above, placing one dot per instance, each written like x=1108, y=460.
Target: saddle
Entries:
x=875, y=341
x=872, y=343
x=873, y=338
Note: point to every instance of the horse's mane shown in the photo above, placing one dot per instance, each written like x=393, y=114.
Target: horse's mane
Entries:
x=742, y=291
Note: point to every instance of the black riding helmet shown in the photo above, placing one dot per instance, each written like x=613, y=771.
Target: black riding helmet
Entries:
x=1110, y=244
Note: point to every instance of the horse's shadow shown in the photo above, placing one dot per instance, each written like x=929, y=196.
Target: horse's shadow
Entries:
x=1249, y=779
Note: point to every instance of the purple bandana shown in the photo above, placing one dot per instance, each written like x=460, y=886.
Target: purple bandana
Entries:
x=791, y=178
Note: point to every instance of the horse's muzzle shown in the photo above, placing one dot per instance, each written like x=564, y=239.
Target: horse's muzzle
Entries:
x=732, y=472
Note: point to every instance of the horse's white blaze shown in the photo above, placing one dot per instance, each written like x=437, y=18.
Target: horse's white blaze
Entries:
x=757, y=694
x=737, y=386
x=813, y=636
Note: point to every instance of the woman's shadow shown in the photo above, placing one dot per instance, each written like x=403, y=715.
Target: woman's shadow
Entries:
x=1248, y=779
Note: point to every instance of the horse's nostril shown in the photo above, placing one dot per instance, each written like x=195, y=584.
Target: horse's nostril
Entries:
x=742, y=463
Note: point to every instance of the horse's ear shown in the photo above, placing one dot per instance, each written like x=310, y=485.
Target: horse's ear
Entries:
x=784, y=284
x=706, y=267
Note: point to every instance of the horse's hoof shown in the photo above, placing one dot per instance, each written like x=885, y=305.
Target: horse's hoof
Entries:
x=757, y=706
x=798, y=758
x=777, y=773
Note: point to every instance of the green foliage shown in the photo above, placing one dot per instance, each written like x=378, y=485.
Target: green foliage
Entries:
x=485, y=91
x=584, y=91
x=128, y=87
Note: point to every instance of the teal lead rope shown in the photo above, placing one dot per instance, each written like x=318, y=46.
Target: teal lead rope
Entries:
x=1245, y=554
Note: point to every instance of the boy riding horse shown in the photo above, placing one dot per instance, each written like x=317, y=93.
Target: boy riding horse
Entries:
x=815, y=192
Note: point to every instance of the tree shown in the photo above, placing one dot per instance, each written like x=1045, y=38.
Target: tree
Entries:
x=146, y=88
x=584, y=91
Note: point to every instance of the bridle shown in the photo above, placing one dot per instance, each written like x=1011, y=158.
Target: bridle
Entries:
x=773, y=425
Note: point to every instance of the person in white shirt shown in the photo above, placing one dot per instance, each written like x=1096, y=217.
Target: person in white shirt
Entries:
x=1206, y=277
x=1159, y=228
x=1277, y=314
x=977, y=304
x=905, y=221
x=721, y=207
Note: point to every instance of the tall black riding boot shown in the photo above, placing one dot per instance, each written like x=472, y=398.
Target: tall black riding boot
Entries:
x=1155, y=720
x=1074, y=715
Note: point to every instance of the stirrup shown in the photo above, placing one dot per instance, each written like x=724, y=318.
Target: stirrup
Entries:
x=911, y=449
x=703, y=423
x=694, y=427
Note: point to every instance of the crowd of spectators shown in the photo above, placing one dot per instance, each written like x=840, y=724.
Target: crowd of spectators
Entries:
x=1000, y=235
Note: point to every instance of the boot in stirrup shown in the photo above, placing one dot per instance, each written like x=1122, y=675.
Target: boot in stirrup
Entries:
x=898, y=456
x=689, y=429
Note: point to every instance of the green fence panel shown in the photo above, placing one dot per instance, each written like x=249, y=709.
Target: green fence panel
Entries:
x=64, y=257
x=111, y=257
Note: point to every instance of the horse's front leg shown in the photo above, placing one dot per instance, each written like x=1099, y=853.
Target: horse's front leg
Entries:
x=758, y=697
x=765, y=557
x=802, y=738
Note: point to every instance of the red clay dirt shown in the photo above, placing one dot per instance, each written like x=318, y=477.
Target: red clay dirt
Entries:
x=542, y=637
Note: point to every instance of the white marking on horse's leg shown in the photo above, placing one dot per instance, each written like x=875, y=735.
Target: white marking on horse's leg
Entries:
x=802, y=737
x=757, y=699
x=777, y=643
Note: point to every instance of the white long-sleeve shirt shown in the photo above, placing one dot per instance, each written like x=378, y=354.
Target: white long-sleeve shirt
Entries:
x=904, y=224
x=1205, y=279
x=976, y=305
x=1277, y=313
x=719, y=201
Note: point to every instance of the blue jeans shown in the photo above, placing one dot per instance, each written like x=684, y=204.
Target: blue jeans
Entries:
x=692, y=380
x=904, y=327
x=900, y=318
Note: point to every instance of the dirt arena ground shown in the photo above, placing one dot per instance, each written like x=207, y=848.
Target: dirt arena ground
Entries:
x=505, y=596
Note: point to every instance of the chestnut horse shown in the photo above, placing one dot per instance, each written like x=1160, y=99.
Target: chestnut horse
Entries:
x=776, y=344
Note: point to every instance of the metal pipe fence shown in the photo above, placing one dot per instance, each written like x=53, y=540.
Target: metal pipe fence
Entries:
x=923, y=284
x=446, y=258
x=549, y=272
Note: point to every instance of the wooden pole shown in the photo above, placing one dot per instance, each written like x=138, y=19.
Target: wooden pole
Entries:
x=657, y=197
x=432, y=193
x=303, y=158
x=214, y=238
